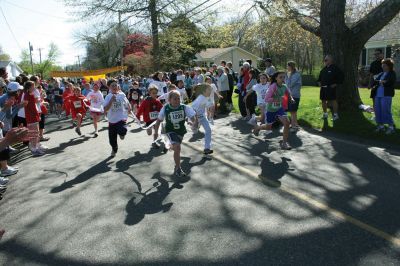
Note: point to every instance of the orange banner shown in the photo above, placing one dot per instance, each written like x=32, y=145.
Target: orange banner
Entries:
x=80, y=74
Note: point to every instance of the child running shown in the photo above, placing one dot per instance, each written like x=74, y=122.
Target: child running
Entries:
x=96, y=106
x=117, y=107
x=150, y=109
x=274, y=98
x=79, y=104
x=134, y=96
x=200, y=106
x=211, y=99
x=260, y=89
x=175, y=114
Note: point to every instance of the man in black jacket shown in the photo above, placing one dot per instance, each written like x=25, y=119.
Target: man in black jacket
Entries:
x=329, y=77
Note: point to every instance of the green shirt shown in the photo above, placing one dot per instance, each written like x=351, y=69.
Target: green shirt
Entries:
x=277, y=94
x=175, y=119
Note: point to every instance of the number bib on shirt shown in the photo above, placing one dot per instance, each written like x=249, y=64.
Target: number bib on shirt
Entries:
x=135, y=96
x=116, y=106
x=175, y=119
x=153, y=115
x=77, y=104
x=104, y=93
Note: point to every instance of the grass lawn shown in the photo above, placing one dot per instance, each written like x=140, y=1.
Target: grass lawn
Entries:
x=358, y=124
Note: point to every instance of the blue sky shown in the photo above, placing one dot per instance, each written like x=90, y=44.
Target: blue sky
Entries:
x=44, y=21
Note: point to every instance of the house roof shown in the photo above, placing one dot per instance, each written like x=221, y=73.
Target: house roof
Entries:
x=211, y=53
x=4, y=63
x=390, y=32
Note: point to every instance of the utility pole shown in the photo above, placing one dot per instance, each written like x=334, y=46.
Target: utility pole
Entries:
x=79, y=62
x=30, y=53
x=40, y=55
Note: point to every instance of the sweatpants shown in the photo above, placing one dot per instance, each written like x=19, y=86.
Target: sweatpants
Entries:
x=115, y=129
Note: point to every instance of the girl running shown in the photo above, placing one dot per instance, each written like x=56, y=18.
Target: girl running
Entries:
x=96, y=106
x=275, y=111
x=175, y=115
x=79, y=103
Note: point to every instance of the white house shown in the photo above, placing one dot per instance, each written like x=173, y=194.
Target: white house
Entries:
x=388, y=40
x=12, y=68
x=234, y=54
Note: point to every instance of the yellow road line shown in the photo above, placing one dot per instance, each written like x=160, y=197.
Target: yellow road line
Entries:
x=301, y=196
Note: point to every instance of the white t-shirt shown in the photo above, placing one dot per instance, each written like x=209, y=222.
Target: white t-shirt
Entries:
x=164, y=96
x=213, y=95
x=96, y=101
x=21, y=111
x=38, y=98
x=189, y=112
x=180, y=77
x=260, y=90
x=119, y=108
x=200, y=104
x=183, y=94
x=160, y=85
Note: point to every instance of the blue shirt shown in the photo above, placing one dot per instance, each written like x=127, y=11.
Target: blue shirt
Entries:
x=381, y=90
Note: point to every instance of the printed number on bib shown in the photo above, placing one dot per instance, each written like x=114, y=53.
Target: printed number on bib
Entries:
x=153, y=115
x=276, y=104
x=77, y=104
x=177, y=126
x=104, y=93
x=177, y=116
x=135, y=96
x=116, y=106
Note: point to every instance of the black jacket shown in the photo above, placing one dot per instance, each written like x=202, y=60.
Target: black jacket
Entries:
x=388, y=85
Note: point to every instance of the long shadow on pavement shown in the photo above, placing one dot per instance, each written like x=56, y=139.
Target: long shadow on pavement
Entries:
x=150, y=202
x=101, y=167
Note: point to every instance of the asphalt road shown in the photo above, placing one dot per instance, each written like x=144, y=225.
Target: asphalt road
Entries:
x=325, y=202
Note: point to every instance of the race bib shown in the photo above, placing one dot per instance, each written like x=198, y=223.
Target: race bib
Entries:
x=56, y=93
x=104, y=93
x=153, y=115
x=116, y=106
x=135, y=96
x=276, y=104
x=177, y=116
x=77, y=104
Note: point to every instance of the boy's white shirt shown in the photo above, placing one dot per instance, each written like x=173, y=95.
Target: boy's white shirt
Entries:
x=119, y=108
x=201, y=104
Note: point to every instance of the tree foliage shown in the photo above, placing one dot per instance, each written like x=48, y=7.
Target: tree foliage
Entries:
x=179, y=43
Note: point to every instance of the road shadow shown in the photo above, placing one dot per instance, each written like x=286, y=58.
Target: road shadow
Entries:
x=101, y=167
x=150, y=202
x=72, y=142
x=271, y=172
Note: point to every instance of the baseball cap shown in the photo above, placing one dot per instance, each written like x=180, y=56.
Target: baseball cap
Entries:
x=14, y=86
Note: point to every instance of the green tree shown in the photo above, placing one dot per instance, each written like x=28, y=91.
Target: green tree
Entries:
x=4, y=56
x=179, y=43
x=343, y=32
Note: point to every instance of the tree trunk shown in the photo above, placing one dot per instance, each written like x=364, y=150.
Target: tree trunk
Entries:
x=154, y=32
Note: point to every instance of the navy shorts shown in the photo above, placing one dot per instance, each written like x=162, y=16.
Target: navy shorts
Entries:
x=174, y=138
x=271, y=117
x=293, y=107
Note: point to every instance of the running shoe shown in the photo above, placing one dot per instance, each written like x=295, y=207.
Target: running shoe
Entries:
x=78, y=131
x=285, y=146
x=96, y=134
x=37, y=153
x=252, y=121
x=121, y=137
x=207, y=151
x=44, y=138
x=4, y=181
x=9, y=171
x=390, y=131
x=179, y=172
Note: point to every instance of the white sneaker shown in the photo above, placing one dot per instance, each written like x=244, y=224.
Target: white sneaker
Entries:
x=4, y=181
x=9, y=171
x=389, y=131
x=43, y=147
x=252, y=121
x=37, y=152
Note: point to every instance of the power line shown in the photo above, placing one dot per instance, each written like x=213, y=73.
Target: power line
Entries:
x=8, y=25
x=35, y=11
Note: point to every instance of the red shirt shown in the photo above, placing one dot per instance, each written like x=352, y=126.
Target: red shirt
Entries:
x=78, y=103
x=31, y=112
x=246, y=80
x=149, y=108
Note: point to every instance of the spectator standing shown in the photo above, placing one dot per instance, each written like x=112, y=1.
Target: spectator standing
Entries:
x=329, y=77
x=270, y=69
x=223, y=88
x=293, y=82
x=383, y=93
